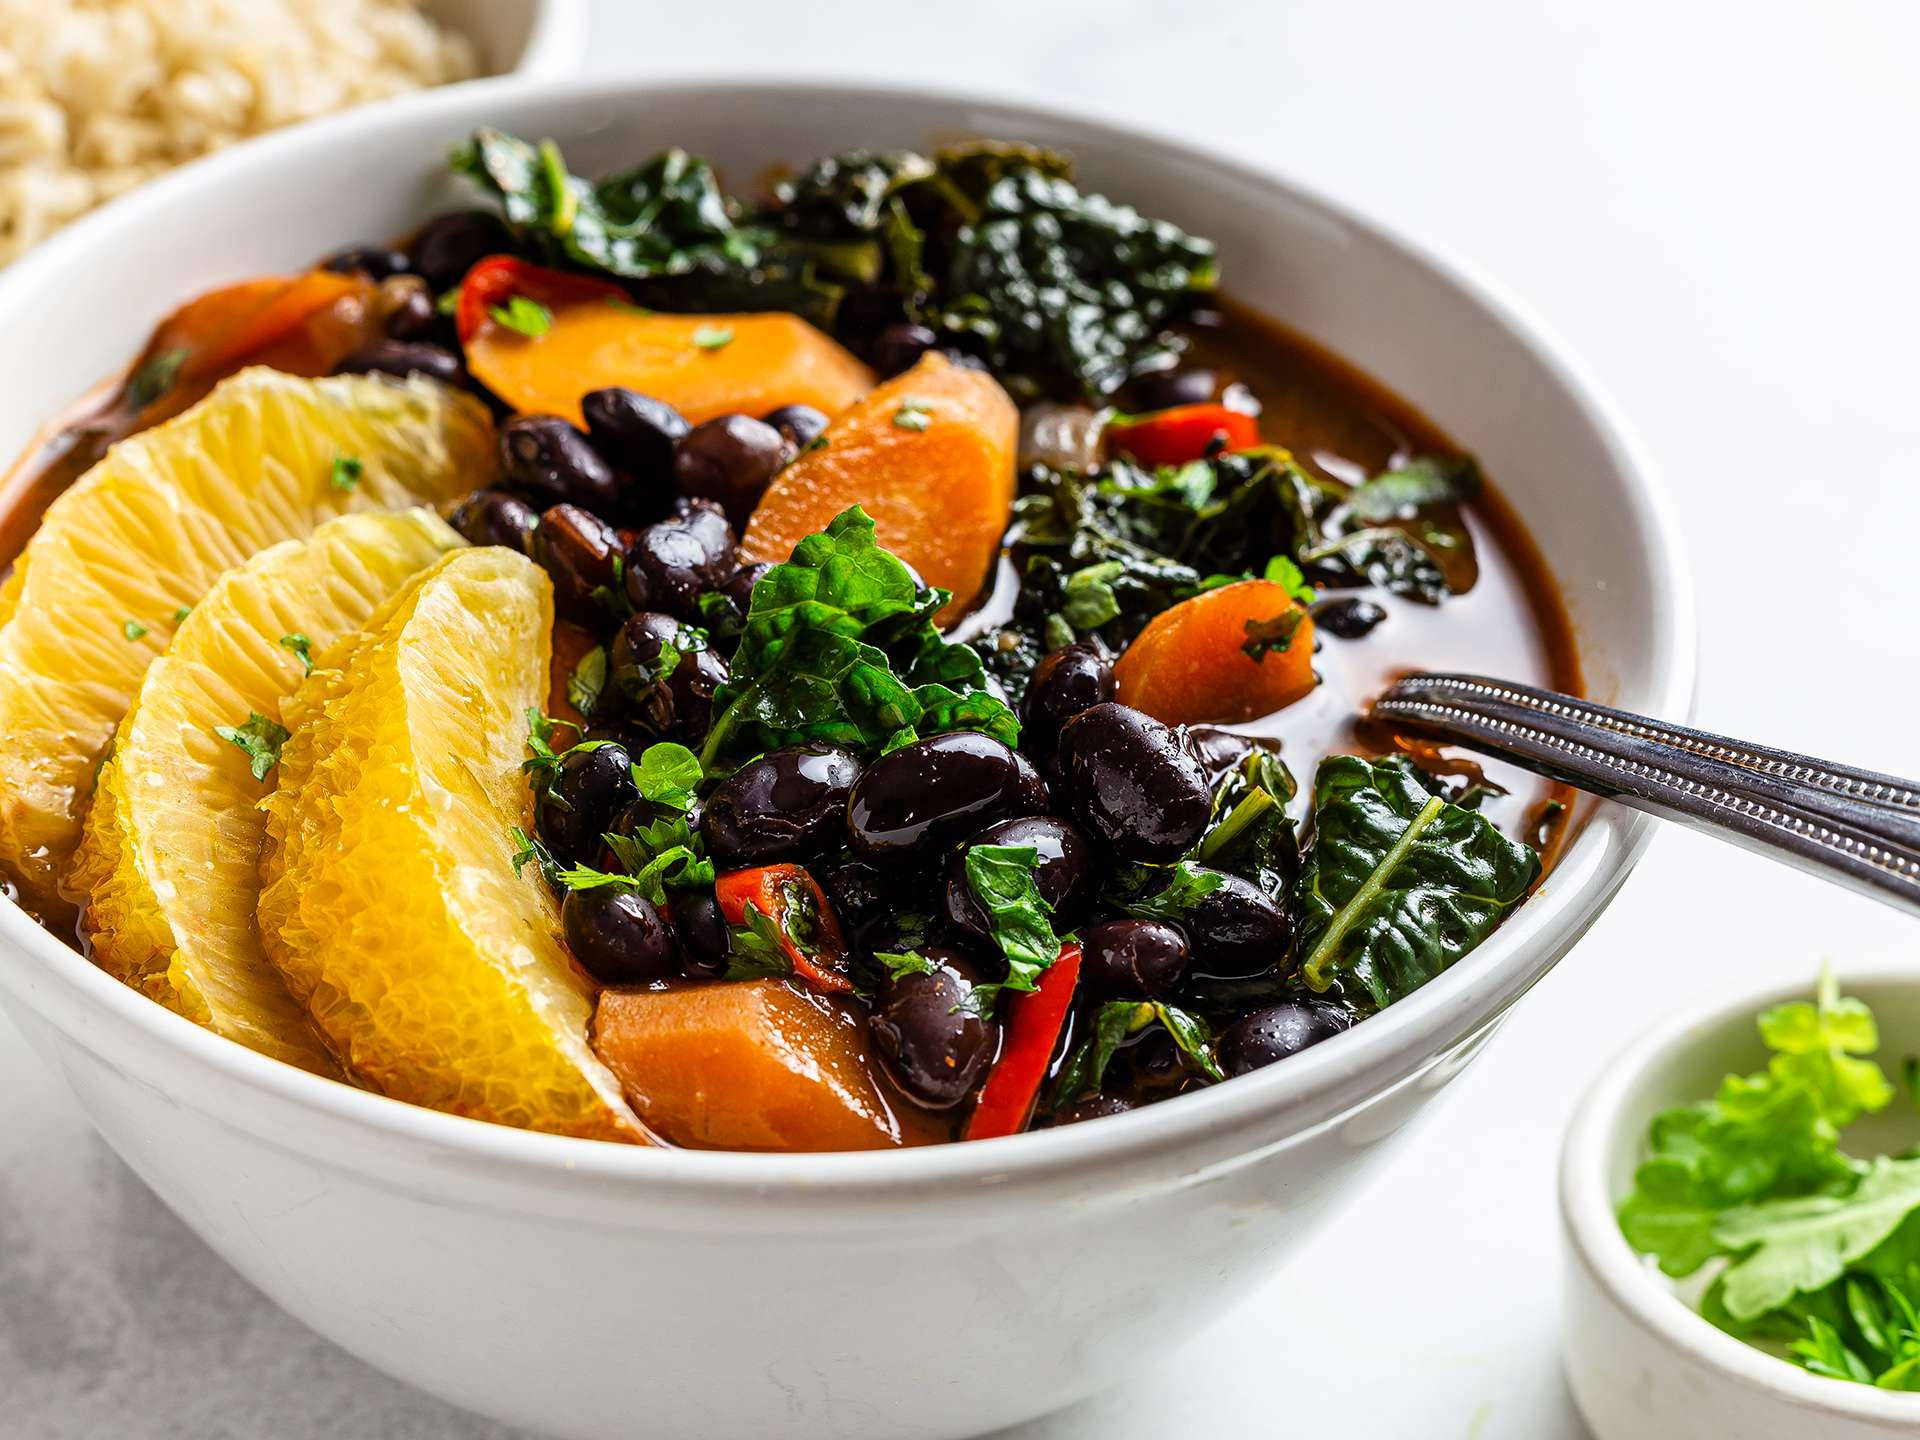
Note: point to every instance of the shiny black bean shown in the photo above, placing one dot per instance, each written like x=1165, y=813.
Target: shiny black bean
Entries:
x=1128, y=779
x=1236, y=931
x=617, y=936
x=637, y=435
x=738, y=587
x=1349, y=618
x=860, y=894
x=672, y=561
x=898, y=347
x=376, y=262
x=786, y=805
x=1063, y=874
x=800, y=424
x=403, y=358
x=546, y=459
x=448, y=245
x=1134, y=959
x=1031, y=795
x=667, y=696
x=925, y=796
x=493, y=517
x=730, y=460
x=1273, y=1033
x=1073, y=678
x=581, y=552
x=410, y=314
x=934, y=1048
x=1175, y=387
x=589, y=790
x=703, y=935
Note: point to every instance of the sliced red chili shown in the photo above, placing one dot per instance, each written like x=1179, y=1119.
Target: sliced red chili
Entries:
x=1186, y=432
x=799, y=909
x=494, y=281
x=1035, y=1019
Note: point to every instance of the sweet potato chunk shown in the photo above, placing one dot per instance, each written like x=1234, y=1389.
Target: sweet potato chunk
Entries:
x=702, y=365
x=748, y=1065
x=929, y=455
x=1190, y=666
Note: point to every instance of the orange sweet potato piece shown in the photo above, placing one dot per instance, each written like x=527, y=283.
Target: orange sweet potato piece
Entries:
x=1190, y=665
x=749, y=1065
x=930, y=457
x=702, y=365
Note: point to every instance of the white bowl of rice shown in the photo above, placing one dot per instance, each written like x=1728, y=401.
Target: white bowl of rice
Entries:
x=98, y=96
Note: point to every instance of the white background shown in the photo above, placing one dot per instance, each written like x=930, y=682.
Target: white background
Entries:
x=1714, y=205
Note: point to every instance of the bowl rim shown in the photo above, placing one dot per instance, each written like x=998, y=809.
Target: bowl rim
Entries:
x=1636, y=1287
x=63, y=988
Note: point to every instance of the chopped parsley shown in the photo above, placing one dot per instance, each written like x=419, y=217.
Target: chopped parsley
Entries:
x=713, y=337
x=1272, y=636
x=181, y=613
x=133, y=629
x=913, y=415
x=588, y=680
x=302, y=649
x=155, y=378
x=347, y=470
x=260, y=738
x=523, y=315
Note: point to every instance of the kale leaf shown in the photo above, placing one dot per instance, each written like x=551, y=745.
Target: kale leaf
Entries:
x=1399, y=884
x=1115, y=1024
x=839, y=646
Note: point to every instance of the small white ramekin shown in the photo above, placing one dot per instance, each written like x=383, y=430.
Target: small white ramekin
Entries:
x=1642, y=1363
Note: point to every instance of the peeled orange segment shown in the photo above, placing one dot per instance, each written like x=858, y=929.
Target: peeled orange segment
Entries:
x=169, y=858
x=388, y=897
x=929, y=455
x=702, y=365
x=96, y=595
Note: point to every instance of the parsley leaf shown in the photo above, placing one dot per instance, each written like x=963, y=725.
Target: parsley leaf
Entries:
x=1272, y=636
x=523, y=315
x=133, y=629
x=713, y=337
x=668, y=774
x=1114, y=1024
x=155, y=378
x=903, y=962
x=181, y=612
x=913, y=415
x=1282, y=571
x=1018, y=915
x=588, y=680
x=260, y=738
x=302, y=649
x=757, y=949
x=1187, y=885
x=346, y=472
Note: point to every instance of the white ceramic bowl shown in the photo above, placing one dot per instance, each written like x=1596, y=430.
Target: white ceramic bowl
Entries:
x=1642, y=1363
x=584, y=1289
x=530, y=38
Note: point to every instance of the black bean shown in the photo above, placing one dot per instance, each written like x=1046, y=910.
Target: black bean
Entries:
x=1073, y=678
x=899, y=347
x=1094, y=1107
x=924, y=796
x=1134, y=959
x=1273, y=1033
x=448, y=245
x=637, y=435
x=376, y=262
x=703, y=935
x=730, y=460
x=581, y=552
x=787, y=805
x=1128, y=779
x=1236, y=931
x=617, y=936
x=1349, y=618
x=493, y=517
x=800, y=424
x=1063, y=874
x=403, y=358
x=860, y=893
x=932, y=1045
x=410, y=313
x=668, y=696
x=591, y=787
x=673, y=560
x=1031, y=795
x=1175, y=387
x=738, y=587
x=546, y=459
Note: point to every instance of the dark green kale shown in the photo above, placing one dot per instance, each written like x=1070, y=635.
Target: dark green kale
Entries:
x=1398, y=884
x=839, y=646
x=1252, y=835
x=1118, y=1023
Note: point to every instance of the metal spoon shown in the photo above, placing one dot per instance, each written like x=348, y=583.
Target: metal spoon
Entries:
x=1855, y=827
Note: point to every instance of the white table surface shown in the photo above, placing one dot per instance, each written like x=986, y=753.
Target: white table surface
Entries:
x=1714, y=205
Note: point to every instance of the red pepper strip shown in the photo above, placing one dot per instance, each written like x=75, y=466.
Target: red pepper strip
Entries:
x=1173, y=437
x=1034, y=1021
x=498, y=278
x=773, y=891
